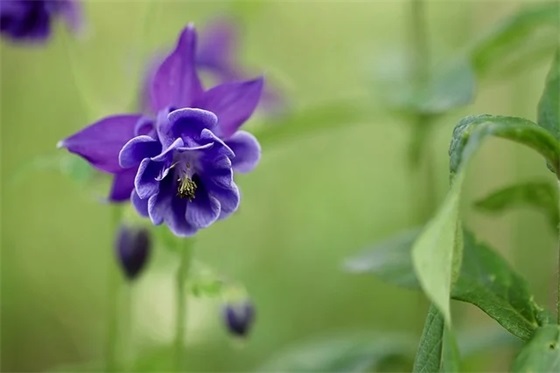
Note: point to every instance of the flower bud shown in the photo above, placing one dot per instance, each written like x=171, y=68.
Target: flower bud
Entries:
x=133, y=246
x=239, y=317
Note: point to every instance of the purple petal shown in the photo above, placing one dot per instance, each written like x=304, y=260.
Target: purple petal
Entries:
x=123, y=184
x=229, y=199
x=233, y=103
x=176, y=220
x=71, y=11
x=101, y=142
x=217, y=45
x=190, y=122
x=146, y=181
x=203, y=210
x=137, y=149
x=219, y=149
x=247, y=151
x=176, y=82
x=141, y=205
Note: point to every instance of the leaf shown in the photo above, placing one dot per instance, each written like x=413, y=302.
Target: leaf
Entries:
x=549, y=105
x=435, y=252
x=311, y=121
x=542, y=353
x=428, y=356
x=66, y=164
x=450, y=357
x=485, y=280
x=518, y=42
x=539, y=194
x=451, y=85
x=389, y=260
x=348, y=352
x=472, y=130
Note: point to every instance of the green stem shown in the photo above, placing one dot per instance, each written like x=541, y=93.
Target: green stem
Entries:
x=181, y=315
x=114, y=283
x=558, y=290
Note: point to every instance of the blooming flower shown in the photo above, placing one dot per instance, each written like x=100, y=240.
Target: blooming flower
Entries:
x=30, y=20
x=239, y=317
x=133, y=246
x=177, y=164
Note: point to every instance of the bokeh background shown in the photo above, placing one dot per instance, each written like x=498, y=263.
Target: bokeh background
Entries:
x=316, y=198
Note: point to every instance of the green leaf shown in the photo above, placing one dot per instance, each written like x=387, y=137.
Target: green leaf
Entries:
x=542, y=353
x=520, y=41
x=451, y=85
x=485, y=280
x=349, y=352
x=539, y=194
x=435, y=252
x=66, y=164
x=450, y=357
x=314, y=120
x=428, y=356
x=549, y=105
x=389, y=260
x=472, y=130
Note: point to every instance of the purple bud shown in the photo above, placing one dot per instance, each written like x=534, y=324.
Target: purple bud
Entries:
x=239, y=317
x=133, y=249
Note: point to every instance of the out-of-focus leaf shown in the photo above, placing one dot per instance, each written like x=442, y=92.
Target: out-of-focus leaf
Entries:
x=451, y=85
x=472, y=130
x=518, y=42
x=311, y=121
x=428, y=356
x=437, y=251
x=549, y=105
x=67, y=164
x=479, y=341
x=345, y=353
x=542, y=353
x=389, y=260
x=539, y=194
x=485, y=280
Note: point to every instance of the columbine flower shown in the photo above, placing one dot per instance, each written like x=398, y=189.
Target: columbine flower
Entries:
x=177, y=165
x=30, y=20
x=239, y=317
x=133, y=246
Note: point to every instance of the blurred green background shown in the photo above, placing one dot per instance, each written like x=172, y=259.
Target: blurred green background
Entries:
x=313, y=201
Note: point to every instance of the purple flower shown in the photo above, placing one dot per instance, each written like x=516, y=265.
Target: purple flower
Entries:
x=177, y=164
x=239, y=317
x=133, y=246
x=30, y=20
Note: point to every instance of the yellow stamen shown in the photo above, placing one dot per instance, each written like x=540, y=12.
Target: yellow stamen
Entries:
x=187, y=188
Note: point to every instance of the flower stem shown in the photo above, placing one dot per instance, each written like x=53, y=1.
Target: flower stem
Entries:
x=558, y=293
x=181, y=314
x=114, y=284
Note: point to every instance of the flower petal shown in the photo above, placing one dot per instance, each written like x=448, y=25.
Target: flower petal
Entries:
x=71, y=11
x=137, y=149
x=203, y=210
x=176, y=220
x=216, y=51
x=233, y=103
x=146, y=181
x=101, y=142
x=123, y=184
x=247, y=151
x=141, y=205
x=190, y=122
x=176, y=82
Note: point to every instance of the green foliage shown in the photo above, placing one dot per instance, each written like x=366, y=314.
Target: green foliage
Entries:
x=428, y=357
x=518, y=42
x=542, y=353
x=436, y=252
x=348, y=352
x=538, y=194
x=485, y=280
x=472, y=130
x=65, y=163
x=450, y=357
x=549, y=105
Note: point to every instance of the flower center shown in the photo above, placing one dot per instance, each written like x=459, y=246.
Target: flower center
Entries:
x=187, y=188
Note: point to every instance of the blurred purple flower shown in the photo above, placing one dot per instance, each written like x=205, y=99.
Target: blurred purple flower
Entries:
x=133, y=246
x=177, y=164
x=30, y=20
x=239, y=317
x=215, y=55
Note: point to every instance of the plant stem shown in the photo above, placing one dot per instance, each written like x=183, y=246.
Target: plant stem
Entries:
x=114, y=284
x=181, y=315
x=558, y=290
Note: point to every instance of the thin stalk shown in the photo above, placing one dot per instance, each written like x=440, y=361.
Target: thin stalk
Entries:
x=558, y=290
x=181, y=315
x=114, y=283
